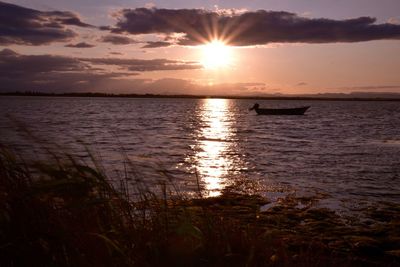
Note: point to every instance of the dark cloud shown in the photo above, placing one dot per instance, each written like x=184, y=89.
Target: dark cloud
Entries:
x=105, y=28
x=44, y=72
x=15, y=65
x=117, y=40
x=251, y=28
x=63, y=74
x=50, y=73
x=47, y=73
x=20, y=25
x=80, y=45
x=7, y=53
x=156, y=44
x=145, y=65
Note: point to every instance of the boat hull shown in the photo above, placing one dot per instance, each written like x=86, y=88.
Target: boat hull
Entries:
x=282, y=111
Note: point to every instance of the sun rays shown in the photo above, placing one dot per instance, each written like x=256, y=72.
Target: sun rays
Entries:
x=216, y=54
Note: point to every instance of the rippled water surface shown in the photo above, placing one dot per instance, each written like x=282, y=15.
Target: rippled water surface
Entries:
x=349, y=151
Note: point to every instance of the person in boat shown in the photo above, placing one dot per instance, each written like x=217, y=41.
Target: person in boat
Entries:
x=255, y=107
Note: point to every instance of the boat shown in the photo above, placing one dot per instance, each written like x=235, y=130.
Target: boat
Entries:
x=279, y=111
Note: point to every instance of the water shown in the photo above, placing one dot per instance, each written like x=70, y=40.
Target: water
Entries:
x=347, y=151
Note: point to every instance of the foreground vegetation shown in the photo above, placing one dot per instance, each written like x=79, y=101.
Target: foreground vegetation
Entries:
x=63, y=212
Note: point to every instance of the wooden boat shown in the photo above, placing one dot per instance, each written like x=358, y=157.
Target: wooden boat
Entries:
x=279, y=111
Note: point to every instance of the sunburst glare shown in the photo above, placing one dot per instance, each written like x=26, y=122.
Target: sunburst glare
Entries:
x=216, y=54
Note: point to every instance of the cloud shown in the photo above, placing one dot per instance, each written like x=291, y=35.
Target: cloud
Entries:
x=301, y=84
x=188, y=87
x=156, y=44
x=44, y=72
x=117, y=40
x=250, y=28
x=373, y=88
x=80, y=45
x=51, y=73
x=6, y=52
x=394, y=21
x=141, y=65
x=24, y=26
x=15, y=65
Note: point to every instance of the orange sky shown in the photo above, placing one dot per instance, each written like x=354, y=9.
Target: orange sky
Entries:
x=306, y=63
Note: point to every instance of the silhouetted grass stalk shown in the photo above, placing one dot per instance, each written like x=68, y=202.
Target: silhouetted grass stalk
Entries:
x=64, y=212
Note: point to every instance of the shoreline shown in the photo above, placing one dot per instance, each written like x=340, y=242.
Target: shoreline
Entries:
x=299, y=98
x=64, y=212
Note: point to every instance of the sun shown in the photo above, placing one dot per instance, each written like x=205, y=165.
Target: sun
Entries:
x=216, y=55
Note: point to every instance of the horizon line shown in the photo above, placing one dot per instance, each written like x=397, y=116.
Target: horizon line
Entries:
x=352, y=96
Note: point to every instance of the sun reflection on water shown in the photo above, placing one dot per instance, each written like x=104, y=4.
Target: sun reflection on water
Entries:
x=214, y=141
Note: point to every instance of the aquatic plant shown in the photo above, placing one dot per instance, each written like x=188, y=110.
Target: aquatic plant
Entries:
x=66, y=212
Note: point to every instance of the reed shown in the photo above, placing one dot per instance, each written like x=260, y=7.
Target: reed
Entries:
x=65, y=212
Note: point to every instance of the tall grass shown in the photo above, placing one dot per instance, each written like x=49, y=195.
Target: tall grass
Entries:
x=63, y=212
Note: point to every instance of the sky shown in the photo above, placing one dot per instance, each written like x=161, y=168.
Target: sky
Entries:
x=258, y=47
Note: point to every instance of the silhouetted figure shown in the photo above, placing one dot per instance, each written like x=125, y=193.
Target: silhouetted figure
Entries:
x=255, y=107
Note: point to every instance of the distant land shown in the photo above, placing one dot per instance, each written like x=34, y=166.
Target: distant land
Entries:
x=353, y=96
